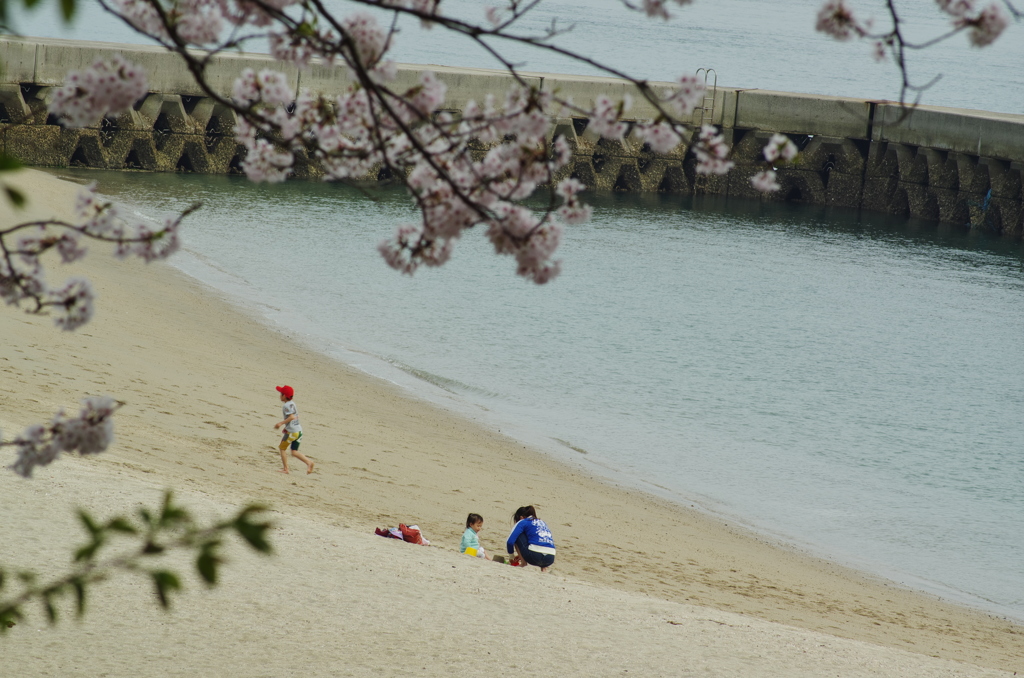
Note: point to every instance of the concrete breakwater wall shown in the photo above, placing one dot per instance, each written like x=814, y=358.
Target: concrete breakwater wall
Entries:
x=952, y=165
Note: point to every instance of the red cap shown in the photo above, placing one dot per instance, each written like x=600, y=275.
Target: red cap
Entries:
x=288, y=391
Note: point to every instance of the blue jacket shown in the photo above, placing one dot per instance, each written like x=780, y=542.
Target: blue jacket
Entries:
x=536, y=531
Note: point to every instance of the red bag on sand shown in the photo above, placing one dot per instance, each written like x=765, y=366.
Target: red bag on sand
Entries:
x=411, y=534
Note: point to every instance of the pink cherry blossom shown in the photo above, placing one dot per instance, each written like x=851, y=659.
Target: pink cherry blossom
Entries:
x=987, y=26
x=91, y=432
x=368, y=39
x=712, y=152
x=155, y=245
x=493, y=16
x=67, y=244
x=837, y=20
x=299, y=49
x=568, y=188
x=73, y=303
x=656, y=8
x=34, y=448
x=269, y=87
x=430, y=94
x=21, y=278
x=105, y=88
x=243, y=12
x=779, y=147
x=957, y=8
x=604, y=119
x=765, y=181
x=265, y=162
x=879, y=50
x=687, y=95
x=662, y=138
x=572, y=211
x=397, y=251
x=198, y=22
x=142, y=16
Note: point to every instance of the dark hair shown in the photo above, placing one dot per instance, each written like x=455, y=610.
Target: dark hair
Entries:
x=524, y=512
x=473, y=519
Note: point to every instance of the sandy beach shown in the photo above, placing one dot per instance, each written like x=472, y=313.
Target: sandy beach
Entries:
x=640, y=585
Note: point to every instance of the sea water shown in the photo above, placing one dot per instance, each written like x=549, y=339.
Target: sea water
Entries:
x=846, y=382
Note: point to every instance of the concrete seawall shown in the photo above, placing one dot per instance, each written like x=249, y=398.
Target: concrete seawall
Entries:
x=953, y=165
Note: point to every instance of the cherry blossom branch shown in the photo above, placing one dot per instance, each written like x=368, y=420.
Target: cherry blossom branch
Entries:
x=22, y=277
x=461, y=173
x=91, y=432
x=983, y=25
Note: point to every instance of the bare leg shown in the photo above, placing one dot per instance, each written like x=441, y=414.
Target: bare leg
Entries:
x=305, y=460
x=284, y=458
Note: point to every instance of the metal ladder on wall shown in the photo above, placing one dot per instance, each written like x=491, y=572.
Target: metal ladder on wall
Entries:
x=705, y=113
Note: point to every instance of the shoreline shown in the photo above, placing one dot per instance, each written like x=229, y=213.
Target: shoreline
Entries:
x=201, y=420
x=432, y=389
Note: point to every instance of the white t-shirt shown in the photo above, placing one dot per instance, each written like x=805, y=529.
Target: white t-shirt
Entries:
x=289, y=409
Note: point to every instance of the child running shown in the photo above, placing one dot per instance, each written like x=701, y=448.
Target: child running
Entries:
x=474, y=523
x=292, y=430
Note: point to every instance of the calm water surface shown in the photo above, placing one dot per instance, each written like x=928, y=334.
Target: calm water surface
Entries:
x=851, y=384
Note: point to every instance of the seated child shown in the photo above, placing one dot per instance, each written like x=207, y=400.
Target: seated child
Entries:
x=469, y=538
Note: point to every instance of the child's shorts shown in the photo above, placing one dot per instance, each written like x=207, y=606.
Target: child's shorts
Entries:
x=292, y=437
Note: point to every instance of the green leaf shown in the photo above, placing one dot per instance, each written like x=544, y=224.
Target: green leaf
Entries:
x=165, y=582
x=121, y=525
x=9, y=616
x=152, y=549
x=16, y=197
x=79, y=586
x=51, y=611
x=9, y=163
x=253, y=533
x=89, y=523
x=207, y=565
x=170, y=514
x=87, y=552
x=67, y=9
x=3, y=578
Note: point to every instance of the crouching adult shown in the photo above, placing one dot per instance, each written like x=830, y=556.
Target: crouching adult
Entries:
x=531, y=539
